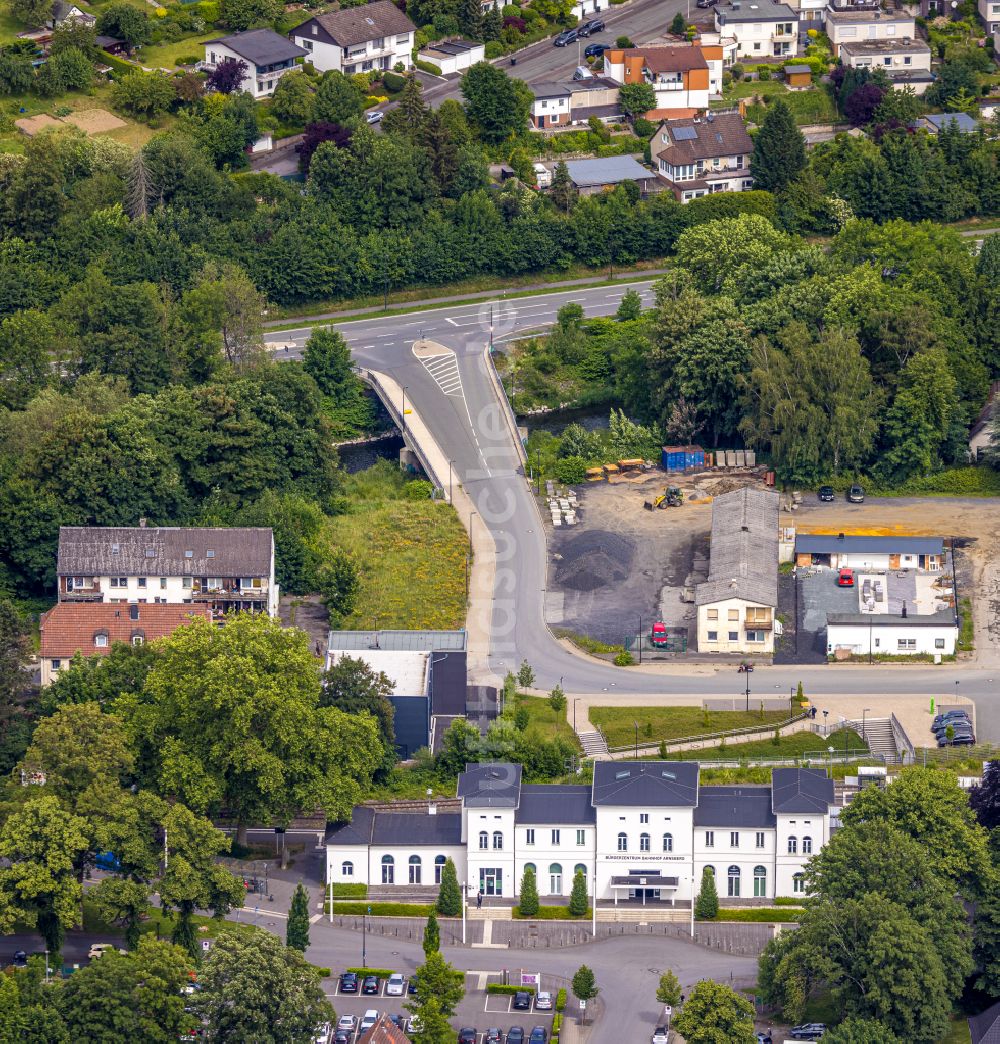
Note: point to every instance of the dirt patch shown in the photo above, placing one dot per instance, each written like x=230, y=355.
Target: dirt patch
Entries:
x=596, y=559
x=309, y=614
x=94, y=121
x=32, y=125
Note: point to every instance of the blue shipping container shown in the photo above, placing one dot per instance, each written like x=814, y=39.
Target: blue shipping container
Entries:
x=680, y=458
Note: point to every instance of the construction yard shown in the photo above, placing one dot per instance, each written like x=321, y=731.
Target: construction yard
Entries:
x=621, y=565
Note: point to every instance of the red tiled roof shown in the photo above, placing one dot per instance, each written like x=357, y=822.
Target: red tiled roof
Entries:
x=386, y=1032
x=669, y=59
x=70, y=627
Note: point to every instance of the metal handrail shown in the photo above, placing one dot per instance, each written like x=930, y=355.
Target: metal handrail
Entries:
x=678, y=743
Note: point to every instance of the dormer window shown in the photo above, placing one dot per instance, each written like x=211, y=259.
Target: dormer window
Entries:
x=138, y=637
x=189, y=554
x=151, y=552
x=210, y=553
x=315, y=29
x=101, y=640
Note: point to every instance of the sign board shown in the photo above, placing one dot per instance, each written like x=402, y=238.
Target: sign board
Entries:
x=667, y=1010
x=583, y=1005
x=531, y=979
x=206, y=945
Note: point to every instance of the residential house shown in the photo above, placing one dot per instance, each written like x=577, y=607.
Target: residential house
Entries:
x=224, y=568
x=736, y=605
x=989, y=11
x=841, y=551
x=906, y=62
x=591, y=176
x=642, y=832
x=679, y=75
x=453, y=56
x=92, y=628
x=984, y=1028
x=266, y=55
x=700, y=156
x=64, y=12
x=851, y=24
x=372, y=37
x=762, y=29
x=937, y=121
x=570, y=102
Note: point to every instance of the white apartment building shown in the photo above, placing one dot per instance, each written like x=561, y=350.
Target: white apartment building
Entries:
x=905, y=62
x=266, y=55
x=851, y=24
x=989, y=11
x=761, y=29
x=642, y=832
x=372, y=37
x=224, y=568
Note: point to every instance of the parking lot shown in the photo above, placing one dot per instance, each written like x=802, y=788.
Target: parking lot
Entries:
x=478, y=1009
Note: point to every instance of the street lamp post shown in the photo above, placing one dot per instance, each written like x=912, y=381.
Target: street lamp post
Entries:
x=636, y=724
x=576, y=700
x=364, y=938
x=450, y=497
x=639, y=639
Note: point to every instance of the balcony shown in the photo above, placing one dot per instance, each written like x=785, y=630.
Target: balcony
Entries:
x=763, y=623
x=228, y=591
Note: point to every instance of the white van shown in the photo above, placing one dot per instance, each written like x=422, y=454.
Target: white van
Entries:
x=543, y=176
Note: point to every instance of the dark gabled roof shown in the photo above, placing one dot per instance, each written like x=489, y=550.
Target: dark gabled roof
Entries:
x=984, y=1028
x=667, y=784
x=962, y=120
x=550, y=90
x=368, y=827
x=354, y=25
x=833, y=543
x=162, y=551
x=608, y=170
x=544, y=803
x=261, y=46
x=700, y=139
x=492, y=785
x=800, y=790
x=731, y=807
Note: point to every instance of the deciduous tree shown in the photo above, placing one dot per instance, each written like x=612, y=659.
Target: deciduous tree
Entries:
x=668, y=990
x=637, y=98
x=227, y=76
x=714, y=1012
x=495, y=103
x=240, y=15
x=338, y=99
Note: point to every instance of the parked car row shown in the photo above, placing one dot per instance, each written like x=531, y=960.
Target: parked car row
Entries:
x=371, y=985
x=855, y=494
x=568, y=36
x=960, y=724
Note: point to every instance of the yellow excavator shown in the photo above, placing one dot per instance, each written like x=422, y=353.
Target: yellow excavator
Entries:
x=670, y=497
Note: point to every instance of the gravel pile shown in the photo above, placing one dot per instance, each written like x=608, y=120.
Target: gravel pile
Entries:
x=593, y=560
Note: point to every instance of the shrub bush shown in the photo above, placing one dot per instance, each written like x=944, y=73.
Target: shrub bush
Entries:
x=560, y=1000
x=494, y=49
x=384, y=909
x=759, y=915
x=571, y=470
x=763, y=73
x=498, y=989
x=624, y=659
x=382, y=973
x=643, y=128
x=737, y=71
x=393, y=81
x=350, y=890
x=428, y=67
x=550, y=913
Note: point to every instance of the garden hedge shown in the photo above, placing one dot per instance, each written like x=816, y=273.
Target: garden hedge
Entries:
x=498, y=988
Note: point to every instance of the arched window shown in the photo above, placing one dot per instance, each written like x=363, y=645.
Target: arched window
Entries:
x=388, y=870
x=580, y=869
x=623, y=842
x=807, y=846
x=347, y=868
x=439, y=862
x=734, y=882
x=644, y=842
x=711, y=870
x=759, y=882
x=668, y=842
x=798, y=883
x=555, y=879
x=484, y=839
x=497, y=839
x=415, y=868
x=532, y=868
x=793, y=845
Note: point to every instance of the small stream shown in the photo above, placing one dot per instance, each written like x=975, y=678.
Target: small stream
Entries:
x=590, y=417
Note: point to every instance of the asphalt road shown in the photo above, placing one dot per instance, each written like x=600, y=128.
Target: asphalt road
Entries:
x=543, y=62
x=457, y=402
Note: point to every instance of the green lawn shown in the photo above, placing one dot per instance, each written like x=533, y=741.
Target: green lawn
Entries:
x=812, y=106
x=793, y=746
x=410, y=554
x=543, y=720
x=9, y=25
x=165, y=55
x=958, y=1033
x=671, y=723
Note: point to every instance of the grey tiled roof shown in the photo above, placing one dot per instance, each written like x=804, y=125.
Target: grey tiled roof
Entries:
x=827, y=543
x=544, y=803
x=355, y=25
x=668, y=784
x=733, y=807
x=491, y=785
x=945, y=618
x=397, y=828
x=261, y=46
x=801, y=790
x=608, y=171
x=399, y=641
x=743, y=559
x=162, y=551
x=985, y=1027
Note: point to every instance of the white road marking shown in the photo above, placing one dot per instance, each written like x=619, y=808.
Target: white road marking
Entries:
x=452, y=321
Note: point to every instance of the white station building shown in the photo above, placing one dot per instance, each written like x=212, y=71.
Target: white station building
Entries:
x=643, y=832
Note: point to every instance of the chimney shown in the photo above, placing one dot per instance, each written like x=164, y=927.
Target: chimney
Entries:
x=904, y=610
x=142, y=523
x=840, y=536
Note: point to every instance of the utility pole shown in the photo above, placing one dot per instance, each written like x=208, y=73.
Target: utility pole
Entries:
x=465, y=893
x=636, y=724
x=640, y=640
x=364, y=938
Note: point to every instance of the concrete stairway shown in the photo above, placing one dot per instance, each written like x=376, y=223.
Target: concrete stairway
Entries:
x=878, y=733
x=593, y=745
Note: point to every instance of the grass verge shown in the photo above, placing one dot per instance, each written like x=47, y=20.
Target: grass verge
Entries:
x=588, y=644
x=812, y=106
x=671, y=723
x=546, y=723
x=967, y=633
x=760, y=915
x=794, y=746
x=381, y=909
x=551, y=913
x=410, y=554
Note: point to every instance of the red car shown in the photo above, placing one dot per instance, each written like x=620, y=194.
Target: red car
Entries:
x=845, y=578
x=658, y=636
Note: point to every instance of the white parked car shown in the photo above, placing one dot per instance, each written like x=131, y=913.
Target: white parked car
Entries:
x=543, y=1002
x=374, y=117
x=368, y=1020
x=660, y=1035
x=395, y=985
x=99, y=949
x=322, y=1034
x=347, y=1022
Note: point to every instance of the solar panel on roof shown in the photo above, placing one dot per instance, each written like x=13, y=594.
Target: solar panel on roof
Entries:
x=685, y=134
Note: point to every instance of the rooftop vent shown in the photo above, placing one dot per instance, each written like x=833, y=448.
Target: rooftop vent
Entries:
x=623, y=775
x=668, y=775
